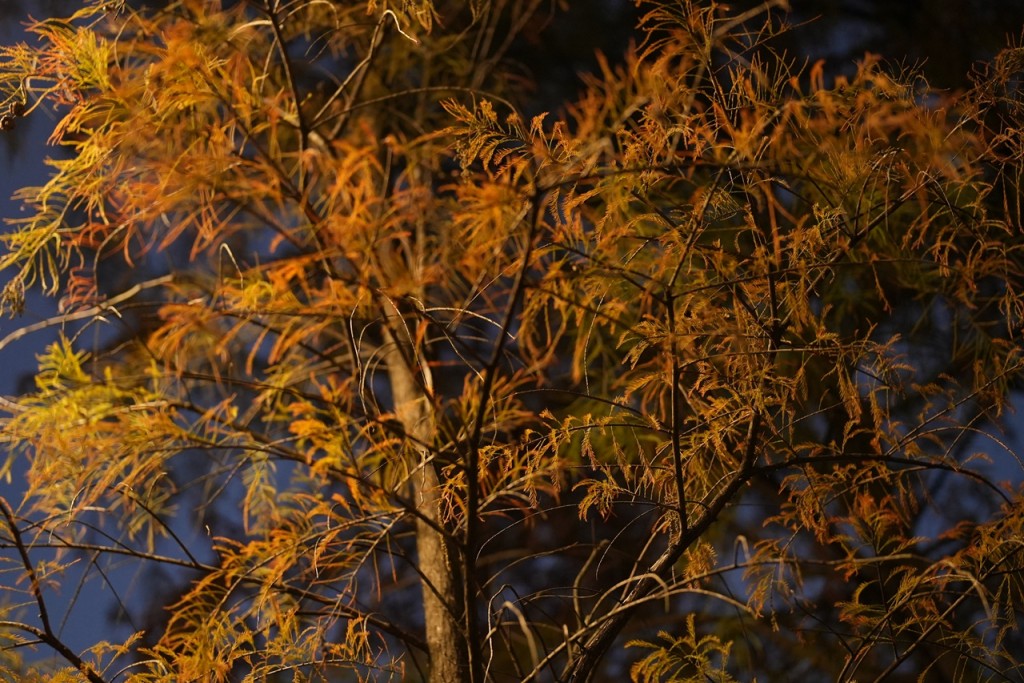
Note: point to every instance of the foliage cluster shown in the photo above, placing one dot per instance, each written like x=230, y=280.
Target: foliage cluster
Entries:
x=679, y=383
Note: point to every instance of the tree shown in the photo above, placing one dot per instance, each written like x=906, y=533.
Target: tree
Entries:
x=383, y=379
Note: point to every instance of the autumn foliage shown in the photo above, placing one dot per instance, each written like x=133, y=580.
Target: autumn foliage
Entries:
x=365, y=371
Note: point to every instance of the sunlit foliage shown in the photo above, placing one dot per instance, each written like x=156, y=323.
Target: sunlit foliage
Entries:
x=381, y=376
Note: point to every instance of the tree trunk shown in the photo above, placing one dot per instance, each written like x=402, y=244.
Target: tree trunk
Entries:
x=441, y=604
